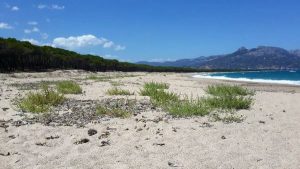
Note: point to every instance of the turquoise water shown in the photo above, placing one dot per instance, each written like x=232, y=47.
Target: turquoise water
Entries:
x=282, y=77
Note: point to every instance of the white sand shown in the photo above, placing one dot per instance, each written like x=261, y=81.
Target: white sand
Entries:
x=250, y=144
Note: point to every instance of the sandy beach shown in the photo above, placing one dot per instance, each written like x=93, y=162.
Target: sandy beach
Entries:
x=268, y=137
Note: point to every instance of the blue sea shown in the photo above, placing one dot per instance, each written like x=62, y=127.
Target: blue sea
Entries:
x=279, y=77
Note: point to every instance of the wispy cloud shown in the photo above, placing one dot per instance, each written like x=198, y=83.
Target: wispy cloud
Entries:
x=32, y=23
x=15, y=8
x=53, y=6
x=34, y=29
x=5, y=26
x=74, y=42
x=119, y=47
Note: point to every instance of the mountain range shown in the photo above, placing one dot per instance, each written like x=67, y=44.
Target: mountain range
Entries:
x=262, y=57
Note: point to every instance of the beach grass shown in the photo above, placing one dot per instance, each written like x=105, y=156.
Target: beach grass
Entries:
x=68, y=87
x=151, y=88
x=118, y=91
x=227, y=90
x=221, y=97
x=104, y=78
x=112, y=112
x=189, y=107
x=229, y=102
x=40, y=101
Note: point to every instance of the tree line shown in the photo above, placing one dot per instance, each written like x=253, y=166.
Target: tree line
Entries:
x=17, y=55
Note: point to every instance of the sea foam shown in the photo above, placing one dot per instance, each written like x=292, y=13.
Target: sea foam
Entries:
x=290, y=82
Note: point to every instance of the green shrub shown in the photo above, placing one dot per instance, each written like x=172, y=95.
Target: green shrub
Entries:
x=40, y=101
x=113, y=112
x=117, y=91
x=187, y=108
x=162, y=98
x=152, y=87
x=68, y=87
x=228, y=90
x=229, y=102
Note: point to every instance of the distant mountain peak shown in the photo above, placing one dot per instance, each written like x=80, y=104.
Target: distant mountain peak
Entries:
x=241, y=50
x=262, y=57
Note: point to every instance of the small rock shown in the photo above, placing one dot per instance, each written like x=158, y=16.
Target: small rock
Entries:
x=12, y=136
x=85, y=140
x=205, y=124
x=104, y=135
x=223, y=137
x=52, y=137
x=159, y=144
x=105, y=143
x=110, y=128
x=40, y=144
x=171, y=164
x=5, y=108
x=139, y=129
x=92, y=132
x=283, y=111
x=262, y=122
x=6, y=154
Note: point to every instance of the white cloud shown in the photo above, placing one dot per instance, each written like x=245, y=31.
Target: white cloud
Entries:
x=5, y=26
x=53, y=6
x=32, y=23
x=108, y=44
x=15, y=8
x=34, y=29
x=75, y=42
x=33, y=41
x=41, y=6
x=119, y=47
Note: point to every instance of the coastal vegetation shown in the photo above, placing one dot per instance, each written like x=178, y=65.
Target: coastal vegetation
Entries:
x=118, y=91
x=41, y=101
x=23, y=56
x=221, y=97
x=112, y=112
x=68, y=87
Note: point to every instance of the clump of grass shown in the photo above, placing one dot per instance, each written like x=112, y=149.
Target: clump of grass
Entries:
x=68, y=87
x=152, y=87
x=229, y=97
x=229, y=102
x=223, y=97
x=229, y=118
x=41, y=101
x=108, y=78
x=117, y=91
x=113, y=112
x=162, y=98
x=228, y=90
x=188, y=108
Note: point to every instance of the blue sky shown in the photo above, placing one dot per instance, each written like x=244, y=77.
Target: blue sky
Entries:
x=153, y=30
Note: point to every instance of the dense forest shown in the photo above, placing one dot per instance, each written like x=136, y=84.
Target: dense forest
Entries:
x=17, y=55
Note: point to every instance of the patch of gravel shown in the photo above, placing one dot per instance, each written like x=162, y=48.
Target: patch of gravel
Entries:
x=81, y=112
